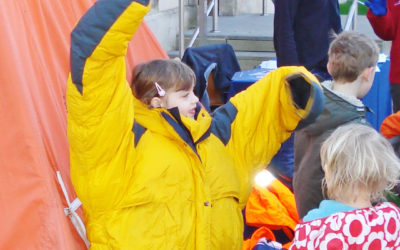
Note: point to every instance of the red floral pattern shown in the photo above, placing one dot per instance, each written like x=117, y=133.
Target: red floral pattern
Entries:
x=372, y=228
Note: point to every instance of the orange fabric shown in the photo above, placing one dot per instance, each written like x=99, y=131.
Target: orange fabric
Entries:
x=287, y=245
x=271, y=208
x=33, y=146
x=258, y=234
x=390, y=127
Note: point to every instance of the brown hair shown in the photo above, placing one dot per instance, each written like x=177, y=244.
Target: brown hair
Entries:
x=168, y=73
x=350, y=53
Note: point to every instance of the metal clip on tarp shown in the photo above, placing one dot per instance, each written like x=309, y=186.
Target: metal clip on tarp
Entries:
x=70, y=212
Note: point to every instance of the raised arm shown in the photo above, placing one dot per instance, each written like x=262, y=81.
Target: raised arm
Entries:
x=99, y=100
x=255, y=122
x=381, y=19
x=99, y=42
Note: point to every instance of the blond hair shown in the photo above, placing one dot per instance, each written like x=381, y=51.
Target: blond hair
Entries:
x=168, y=73
x=350, y=53
x=357, y=157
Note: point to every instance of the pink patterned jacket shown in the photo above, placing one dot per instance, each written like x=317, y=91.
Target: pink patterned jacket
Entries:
x=374, y=228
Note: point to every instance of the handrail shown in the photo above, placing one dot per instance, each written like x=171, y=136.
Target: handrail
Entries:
x=181, y=27
x=351, y=17
x=202, y=13
x=264, y=6
x=215, y=16
x=202, y=22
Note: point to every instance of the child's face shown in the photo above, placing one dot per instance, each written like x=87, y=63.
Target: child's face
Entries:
x=185, y=100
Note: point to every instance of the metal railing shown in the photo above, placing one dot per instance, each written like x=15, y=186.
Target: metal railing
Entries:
x=264, y=7
x=202, y=13
x=204, y=10
x=351, y=20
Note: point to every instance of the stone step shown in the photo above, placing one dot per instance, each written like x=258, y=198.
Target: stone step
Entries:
x=252, y=45
x=251, y=59
x=251, y=49
x=238, y=42
x=251, y=36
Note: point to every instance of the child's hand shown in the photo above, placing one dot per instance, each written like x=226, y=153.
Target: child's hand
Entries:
x=377, y=7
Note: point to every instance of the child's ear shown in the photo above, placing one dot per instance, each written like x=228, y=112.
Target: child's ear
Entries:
x=155, y=102
x=328, y=67
x=368, y=74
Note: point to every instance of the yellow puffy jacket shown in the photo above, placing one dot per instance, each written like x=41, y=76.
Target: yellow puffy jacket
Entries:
x=151, y=179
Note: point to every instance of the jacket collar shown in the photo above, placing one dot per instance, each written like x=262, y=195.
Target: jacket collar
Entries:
x=163, y=121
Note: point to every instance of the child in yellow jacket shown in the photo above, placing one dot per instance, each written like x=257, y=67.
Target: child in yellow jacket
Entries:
x=154, y=170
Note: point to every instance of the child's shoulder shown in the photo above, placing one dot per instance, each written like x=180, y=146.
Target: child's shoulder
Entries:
x=335, y=96
x=387, y=207
x=368, y=214
x=353, y=228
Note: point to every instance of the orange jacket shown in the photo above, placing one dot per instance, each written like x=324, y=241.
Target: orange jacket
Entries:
x=390, y=127
x=270, y=208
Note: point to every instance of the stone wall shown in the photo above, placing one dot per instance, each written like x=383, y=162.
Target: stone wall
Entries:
x=163, y=18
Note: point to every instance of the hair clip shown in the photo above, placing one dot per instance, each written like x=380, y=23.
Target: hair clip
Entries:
x=160, y=90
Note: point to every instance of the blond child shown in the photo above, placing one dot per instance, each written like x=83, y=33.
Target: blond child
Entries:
x=352, y=61
x=359, y=165
x=154, y=170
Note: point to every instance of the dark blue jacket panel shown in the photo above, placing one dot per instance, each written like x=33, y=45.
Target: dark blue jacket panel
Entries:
x=200, y=58
x=302, y=31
